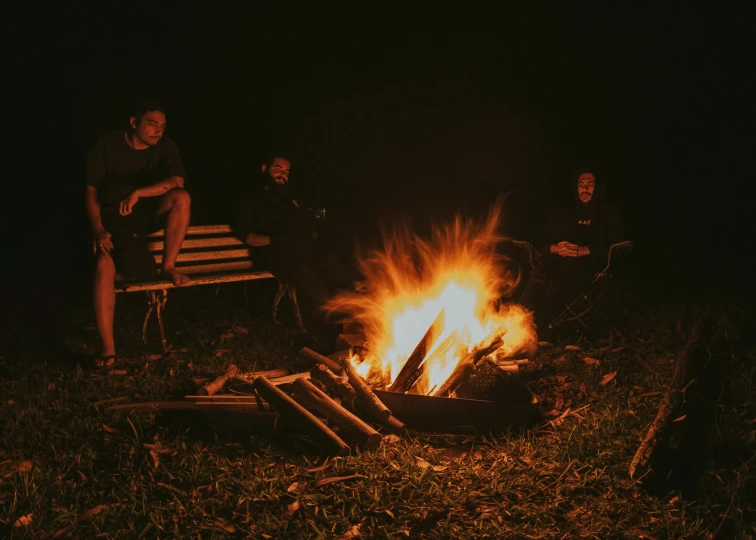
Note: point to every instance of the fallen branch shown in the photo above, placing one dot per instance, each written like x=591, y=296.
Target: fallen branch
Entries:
x=348, y=423
x=155, y=406
x=467, y=367
x=270, y=374
x=213, y=387
x=327, y=441
x=394, y=425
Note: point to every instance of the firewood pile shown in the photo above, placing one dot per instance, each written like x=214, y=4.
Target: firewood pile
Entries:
x=330, y=404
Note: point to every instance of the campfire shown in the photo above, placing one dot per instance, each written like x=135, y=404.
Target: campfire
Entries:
x=431, y=309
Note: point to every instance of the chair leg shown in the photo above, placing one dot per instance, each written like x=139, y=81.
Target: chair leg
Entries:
x=279, y=295
x=152, y=302
x=162, y=299
x=297, y=312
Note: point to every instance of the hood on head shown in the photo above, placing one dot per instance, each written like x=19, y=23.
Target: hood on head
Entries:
x=598, y=191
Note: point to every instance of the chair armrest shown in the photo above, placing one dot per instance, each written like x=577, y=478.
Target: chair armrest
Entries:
x=533, y=255
x=618, y=247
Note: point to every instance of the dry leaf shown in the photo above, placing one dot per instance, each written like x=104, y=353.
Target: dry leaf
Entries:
x=680, y=418
x=227, y=335
x=221, y=352
x=608, y=377
x=559, y=403
x=439, y=468
x=266, y=536
x=182, y=349
x=94, y=511
x=632, y=413
x=241, y=330
x=394, y=466
x=153, y=357
x=391, y=438
x=618, y=349
x=591, y=361
x=292, y=487
x=354, y=532
x=51, y=386
x=572, y=348
x=225, y=525
x=390, y=513
x=293, y=507
x=674, y=499
x=10, y=402
x=169, y=487
x=649, y=394
x=114, y=372
x=24, y=521
x=422, y=463
x=332, y=479
x=60, y=532
x=109, y=429
x=24, y=466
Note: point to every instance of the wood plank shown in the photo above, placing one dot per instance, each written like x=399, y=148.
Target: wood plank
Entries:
x=202, y=280
x=197, y=229
x=215, y=268
x=208, y=255
x=192, y=243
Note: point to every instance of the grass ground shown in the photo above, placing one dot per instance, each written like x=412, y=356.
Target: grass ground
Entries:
x=70, y=469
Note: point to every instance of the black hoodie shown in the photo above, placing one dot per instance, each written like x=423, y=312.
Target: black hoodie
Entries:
x=596, y=224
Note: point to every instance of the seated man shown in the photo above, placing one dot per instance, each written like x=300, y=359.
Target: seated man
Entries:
x=285, y=237
x=135, y=185
x=575, y=246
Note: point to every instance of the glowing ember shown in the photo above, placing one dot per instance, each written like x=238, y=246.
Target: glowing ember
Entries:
x=456, y=279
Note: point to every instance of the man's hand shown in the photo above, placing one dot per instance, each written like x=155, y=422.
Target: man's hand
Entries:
x=102, y=241
x=127, y=205
x=582, y=251
x=565, y=249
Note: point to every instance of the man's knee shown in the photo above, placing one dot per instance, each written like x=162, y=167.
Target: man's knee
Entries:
x=104, y=266
x=179, y=198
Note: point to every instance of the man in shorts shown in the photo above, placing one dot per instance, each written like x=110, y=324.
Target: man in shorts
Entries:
x=135, y=185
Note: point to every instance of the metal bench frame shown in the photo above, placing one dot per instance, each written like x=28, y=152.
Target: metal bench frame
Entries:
x=210, y=255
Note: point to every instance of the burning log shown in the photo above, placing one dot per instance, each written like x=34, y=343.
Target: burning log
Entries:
x=320, y=359
x=368, y=400
x=412, y=368
x=213, y=387
x=466, y=367
x=335, y=384
x=355, y=428
x=301, y=417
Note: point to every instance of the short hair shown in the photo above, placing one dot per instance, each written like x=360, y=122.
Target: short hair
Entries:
x=143, y=107
x=271, y=157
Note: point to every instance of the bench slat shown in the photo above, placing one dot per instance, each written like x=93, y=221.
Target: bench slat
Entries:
x=197, y=229
x=208, y=255
x=200, y=280
x=215, y=268
x=200, y=243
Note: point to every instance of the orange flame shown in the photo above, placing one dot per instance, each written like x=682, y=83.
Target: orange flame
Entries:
x=456, y=273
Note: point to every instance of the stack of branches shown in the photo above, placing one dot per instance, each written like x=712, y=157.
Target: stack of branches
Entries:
x=330, y=404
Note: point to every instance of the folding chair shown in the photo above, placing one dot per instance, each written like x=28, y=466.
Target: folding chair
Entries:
x=594, y=299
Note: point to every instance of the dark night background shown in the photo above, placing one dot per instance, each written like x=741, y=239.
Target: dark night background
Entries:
x=391, y=111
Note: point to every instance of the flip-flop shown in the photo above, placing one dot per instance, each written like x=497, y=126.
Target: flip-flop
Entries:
x=105, y=361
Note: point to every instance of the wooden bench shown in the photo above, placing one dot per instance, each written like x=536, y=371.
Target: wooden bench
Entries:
x=210, y=254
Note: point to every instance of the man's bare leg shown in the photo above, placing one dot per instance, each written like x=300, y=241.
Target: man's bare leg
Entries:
x=176, y=205
x=104, y=303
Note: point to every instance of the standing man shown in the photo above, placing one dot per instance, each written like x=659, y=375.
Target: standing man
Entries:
x=135, y=185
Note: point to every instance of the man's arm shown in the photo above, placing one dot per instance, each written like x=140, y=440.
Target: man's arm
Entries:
x=155, y=190
x=257, y=240
x=101, y=236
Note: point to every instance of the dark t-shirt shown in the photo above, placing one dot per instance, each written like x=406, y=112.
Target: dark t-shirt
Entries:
x=116, y=169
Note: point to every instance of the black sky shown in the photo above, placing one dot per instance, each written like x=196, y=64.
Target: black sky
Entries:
x=394, y=110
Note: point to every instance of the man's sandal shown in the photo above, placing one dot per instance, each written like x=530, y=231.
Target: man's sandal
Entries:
x=105, y=361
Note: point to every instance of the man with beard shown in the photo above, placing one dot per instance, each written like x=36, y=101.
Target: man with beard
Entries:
x=273, y=220
x=574, y=247
x=135, y=185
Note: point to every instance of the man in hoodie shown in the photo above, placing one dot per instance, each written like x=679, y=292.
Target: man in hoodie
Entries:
x=574, y=247
x=273, y=220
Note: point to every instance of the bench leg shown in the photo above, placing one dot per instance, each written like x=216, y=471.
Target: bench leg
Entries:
x=156, y=300
x=246, y=304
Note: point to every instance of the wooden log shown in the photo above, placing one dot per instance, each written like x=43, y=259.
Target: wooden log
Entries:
x=414, y=363
x=328, y=442
x=394, y=425
x=466, y=367
x=214, y=387
x=348, y=423
x=270, y=374
x=154, y=406
x=316, y=358
x=685, y=371
x=220, y=397
x=373, y=406
x=338, y=385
